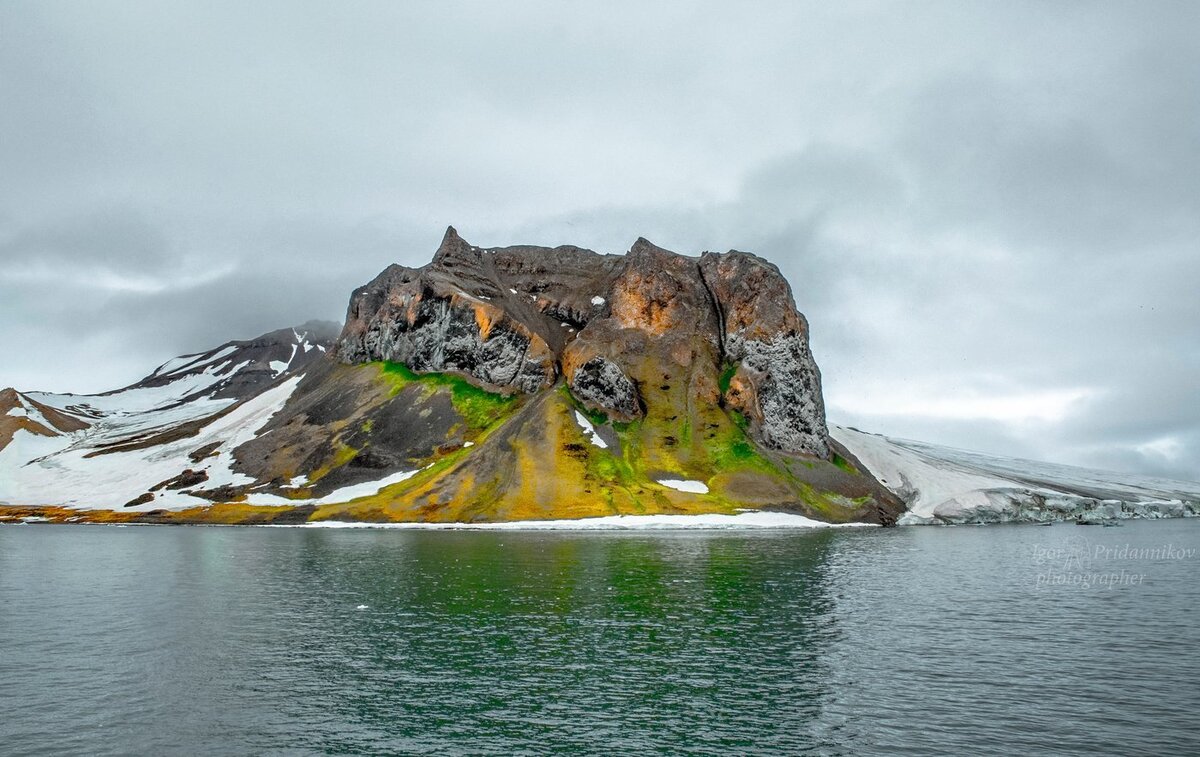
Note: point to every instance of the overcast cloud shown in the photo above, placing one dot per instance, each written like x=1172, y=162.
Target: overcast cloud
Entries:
x=990, y=213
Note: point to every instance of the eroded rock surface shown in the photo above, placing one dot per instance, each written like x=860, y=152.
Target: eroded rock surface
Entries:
x=776, y=383
x=613, y=327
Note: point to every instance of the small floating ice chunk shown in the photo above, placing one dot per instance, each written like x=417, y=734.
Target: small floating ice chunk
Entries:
x=597, y=300
x=362, y=607
x=590, y=431
x=695, y=487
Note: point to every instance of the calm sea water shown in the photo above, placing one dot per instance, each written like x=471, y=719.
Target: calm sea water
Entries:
x=993, y=640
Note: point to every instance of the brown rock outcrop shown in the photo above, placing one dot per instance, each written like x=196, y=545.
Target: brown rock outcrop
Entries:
x=518, y=318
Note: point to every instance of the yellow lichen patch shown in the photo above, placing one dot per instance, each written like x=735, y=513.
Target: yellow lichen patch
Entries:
x=485, y=316
x=538, y=466
x=233, y=513
x=633, y=309
x=342, y=454
x=54, y=514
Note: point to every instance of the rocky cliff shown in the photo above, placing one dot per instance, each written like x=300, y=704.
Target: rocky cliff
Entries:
x=492, y=384
x=722, y=328
x=518, y=384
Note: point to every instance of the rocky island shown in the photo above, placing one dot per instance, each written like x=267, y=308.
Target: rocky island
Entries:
x=514, y=384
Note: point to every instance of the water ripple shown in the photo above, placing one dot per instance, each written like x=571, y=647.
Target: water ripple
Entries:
x=901, y=641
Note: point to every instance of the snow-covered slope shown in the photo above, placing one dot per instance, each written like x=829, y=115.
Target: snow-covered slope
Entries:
x=107, y=450
x=945, y=485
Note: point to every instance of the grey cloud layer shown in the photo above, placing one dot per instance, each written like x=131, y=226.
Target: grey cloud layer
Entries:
x=974, y=204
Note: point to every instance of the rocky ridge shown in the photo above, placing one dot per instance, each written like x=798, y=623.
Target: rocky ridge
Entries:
x=516, y=384
x=518, y=318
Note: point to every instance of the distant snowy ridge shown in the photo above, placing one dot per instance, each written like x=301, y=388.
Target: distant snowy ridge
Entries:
x=136, y=448
x=941, y=485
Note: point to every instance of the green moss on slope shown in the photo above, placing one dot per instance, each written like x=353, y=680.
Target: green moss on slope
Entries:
x=478, y=407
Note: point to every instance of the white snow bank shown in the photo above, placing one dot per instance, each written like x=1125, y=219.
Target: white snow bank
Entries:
x=590, y=431
x=695, y=487
x=337, y=496
x=926, y=485
x=56, y=471
x=745, y=520
x=946, y=485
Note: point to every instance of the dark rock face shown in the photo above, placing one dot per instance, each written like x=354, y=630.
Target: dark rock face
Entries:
x=517, y=318
x=141, y=499
x=463, y=312
x=777, y=383
x=434, y=333
x=601, y=383
x=184, y=480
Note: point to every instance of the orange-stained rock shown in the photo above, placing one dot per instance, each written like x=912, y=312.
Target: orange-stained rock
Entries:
x=516, y=318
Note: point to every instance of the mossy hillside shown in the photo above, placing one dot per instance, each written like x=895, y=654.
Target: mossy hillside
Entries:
x=477, y=411
x=342, y=454
x=685, y=431
x=530, y=458
x=539, y=465
x=478, y=407
x=726, y=377
x=684, y=435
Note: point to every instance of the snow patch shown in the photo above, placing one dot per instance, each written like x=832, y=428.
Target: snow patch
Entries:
x=54, y=471
x=695, y=487
x=945, y=485
x=590, y=431
x=337, y=496
x=598, y=300
x=192, y=362
x=175, y=364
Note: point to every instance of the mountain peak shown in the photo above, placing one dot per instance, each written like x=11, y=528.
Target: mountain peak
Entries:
x=611, y=327
x=516, y=383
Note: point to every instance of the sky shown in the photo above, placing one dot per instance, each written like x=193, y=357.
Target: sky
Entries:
x=989, y=212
